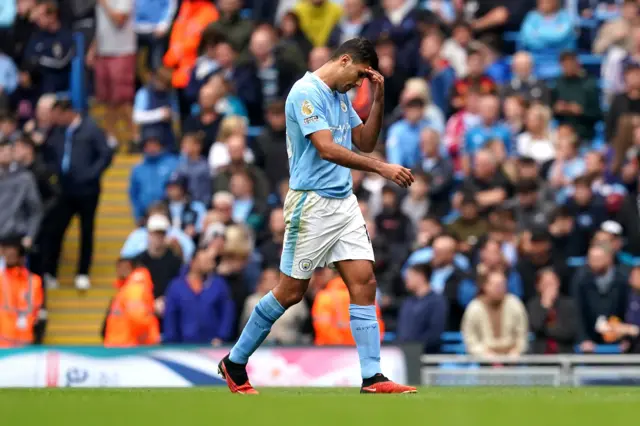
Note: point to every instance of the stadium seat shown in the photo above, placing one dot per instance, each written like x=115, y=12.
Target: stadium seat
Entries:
x=602, y=349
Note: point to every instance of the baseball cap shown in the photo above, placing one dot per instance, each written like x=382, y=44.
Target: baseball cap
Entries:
x=179, y=180
x=611, y=227
x=158, y=223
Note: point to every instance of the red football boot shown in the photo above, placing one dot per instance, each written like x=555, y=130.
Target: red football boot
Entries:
x=380, y=384
x=236, y=377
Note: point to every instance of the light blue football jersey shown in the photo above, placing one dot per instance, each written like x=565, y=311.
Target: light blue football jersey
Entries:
x=312, y=106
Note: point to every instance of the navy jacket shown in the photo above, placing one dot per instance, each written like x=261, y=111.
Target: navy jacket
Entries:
x=423, y=320
x=593, y=304
x=47, y=57
x=198, y=318
x=587, y=222
x=90, y=156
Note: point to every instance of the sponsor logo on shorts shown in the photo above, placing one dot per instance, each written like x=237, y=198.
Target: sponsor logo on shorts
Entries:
x=307, y=108
x=305, y=265
x=311, y=119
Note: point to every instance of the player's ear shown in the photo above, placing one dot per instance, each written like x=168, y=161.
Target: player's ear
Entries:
x=345, y=60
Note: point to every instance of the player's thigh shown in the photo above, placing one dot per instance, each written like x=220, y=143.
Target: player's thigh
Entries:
x=308, y=236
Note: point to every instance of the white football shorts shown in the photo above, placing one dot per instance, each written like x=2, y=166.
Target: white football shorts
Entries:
x=321, y=231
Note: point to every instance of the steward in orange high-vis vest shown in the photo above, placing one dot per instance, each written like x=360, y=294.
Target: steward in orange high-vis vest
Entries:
x=330, y=315
x=20, y=298
x=192, y=19
x=131, y=320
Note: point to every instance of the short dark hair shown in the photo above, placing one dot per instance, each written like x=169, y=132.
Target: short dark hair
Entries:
x=423, y=269
x=361, y=50
x=194, y=136
x=561, y=212
x=526, y=161
x=583, y=180
x=24, y=139
x=540, y=235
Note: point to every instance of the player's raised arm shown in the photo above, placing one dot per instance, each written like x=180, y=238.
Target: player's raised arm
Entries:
x=331, y=151
x=365, y=136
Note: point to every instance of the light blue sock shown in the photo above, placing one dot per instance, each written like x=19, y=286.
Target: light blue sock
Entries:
x=266, y=312
x=365, y=331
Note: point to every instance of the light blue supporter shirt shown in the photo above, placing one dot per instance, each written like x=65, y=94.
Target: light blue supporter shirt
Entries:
x=310, y=107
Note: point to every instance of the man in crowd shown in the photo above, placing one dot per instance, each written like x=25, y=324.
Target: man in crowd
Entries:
x=199, y=308
x=49, y=190
x=21, y=210
x=80, y=155
x=21, y=296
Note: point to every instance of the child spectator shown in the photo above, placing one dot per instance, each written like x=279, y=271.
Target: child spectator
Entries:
x=186, y=214
x=154, y=107
x=149, y=177
x=416, y=204
x=47, y=57
x=232, y=125
x=195, y=168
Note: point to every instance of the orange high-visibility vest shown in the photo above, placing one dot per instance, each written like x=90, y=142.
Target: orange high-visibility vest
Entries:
x=131, y=320
x=185, y=37
x=20, y=303
x=330, y=315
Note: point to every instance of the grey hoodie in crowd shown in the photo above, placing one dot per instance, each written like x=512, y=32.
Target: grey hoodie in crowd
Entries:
x=20, y=205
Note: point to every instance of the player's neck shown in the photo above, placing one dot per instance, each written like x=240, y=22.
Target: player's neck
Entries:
x=327, y=73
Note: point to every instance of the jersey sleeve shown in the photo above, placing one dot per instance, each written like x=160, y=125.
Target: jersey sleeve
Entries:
x=309, y=109
x=354, y=118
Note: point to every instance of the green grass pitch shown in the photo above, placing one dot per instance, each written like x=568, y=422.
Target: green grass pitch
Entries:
x=321, y=407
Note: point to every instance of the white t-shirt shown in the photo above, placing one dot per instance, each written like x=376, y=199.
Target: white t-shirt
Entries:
x=219, y=157
x=541, y=150
x=111, y=40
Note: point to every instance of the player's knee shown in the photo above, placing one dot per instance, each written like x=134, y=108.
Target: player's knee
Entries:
x=364, y=292
x=293, y=298
x=289, y=295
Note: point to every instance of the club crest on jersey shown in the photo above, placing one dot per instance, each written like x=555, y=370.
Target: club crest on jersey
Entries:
x=307, y=108
x=343, y=106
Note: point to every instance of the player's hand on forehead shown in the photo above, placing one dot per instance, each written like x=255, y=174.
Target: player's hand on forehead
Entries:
x=374, y=75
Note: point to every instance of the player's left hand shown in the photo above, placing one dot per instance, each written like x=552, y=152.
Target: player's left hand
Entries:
x=378, y=84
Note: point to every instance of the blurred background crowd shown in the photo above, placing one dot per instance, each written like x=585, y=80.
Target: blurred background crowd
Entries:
x=520, y=119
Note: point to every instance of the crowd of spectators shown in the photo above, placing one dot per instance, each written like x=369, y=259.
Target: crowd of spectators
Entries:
x=521, y=121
